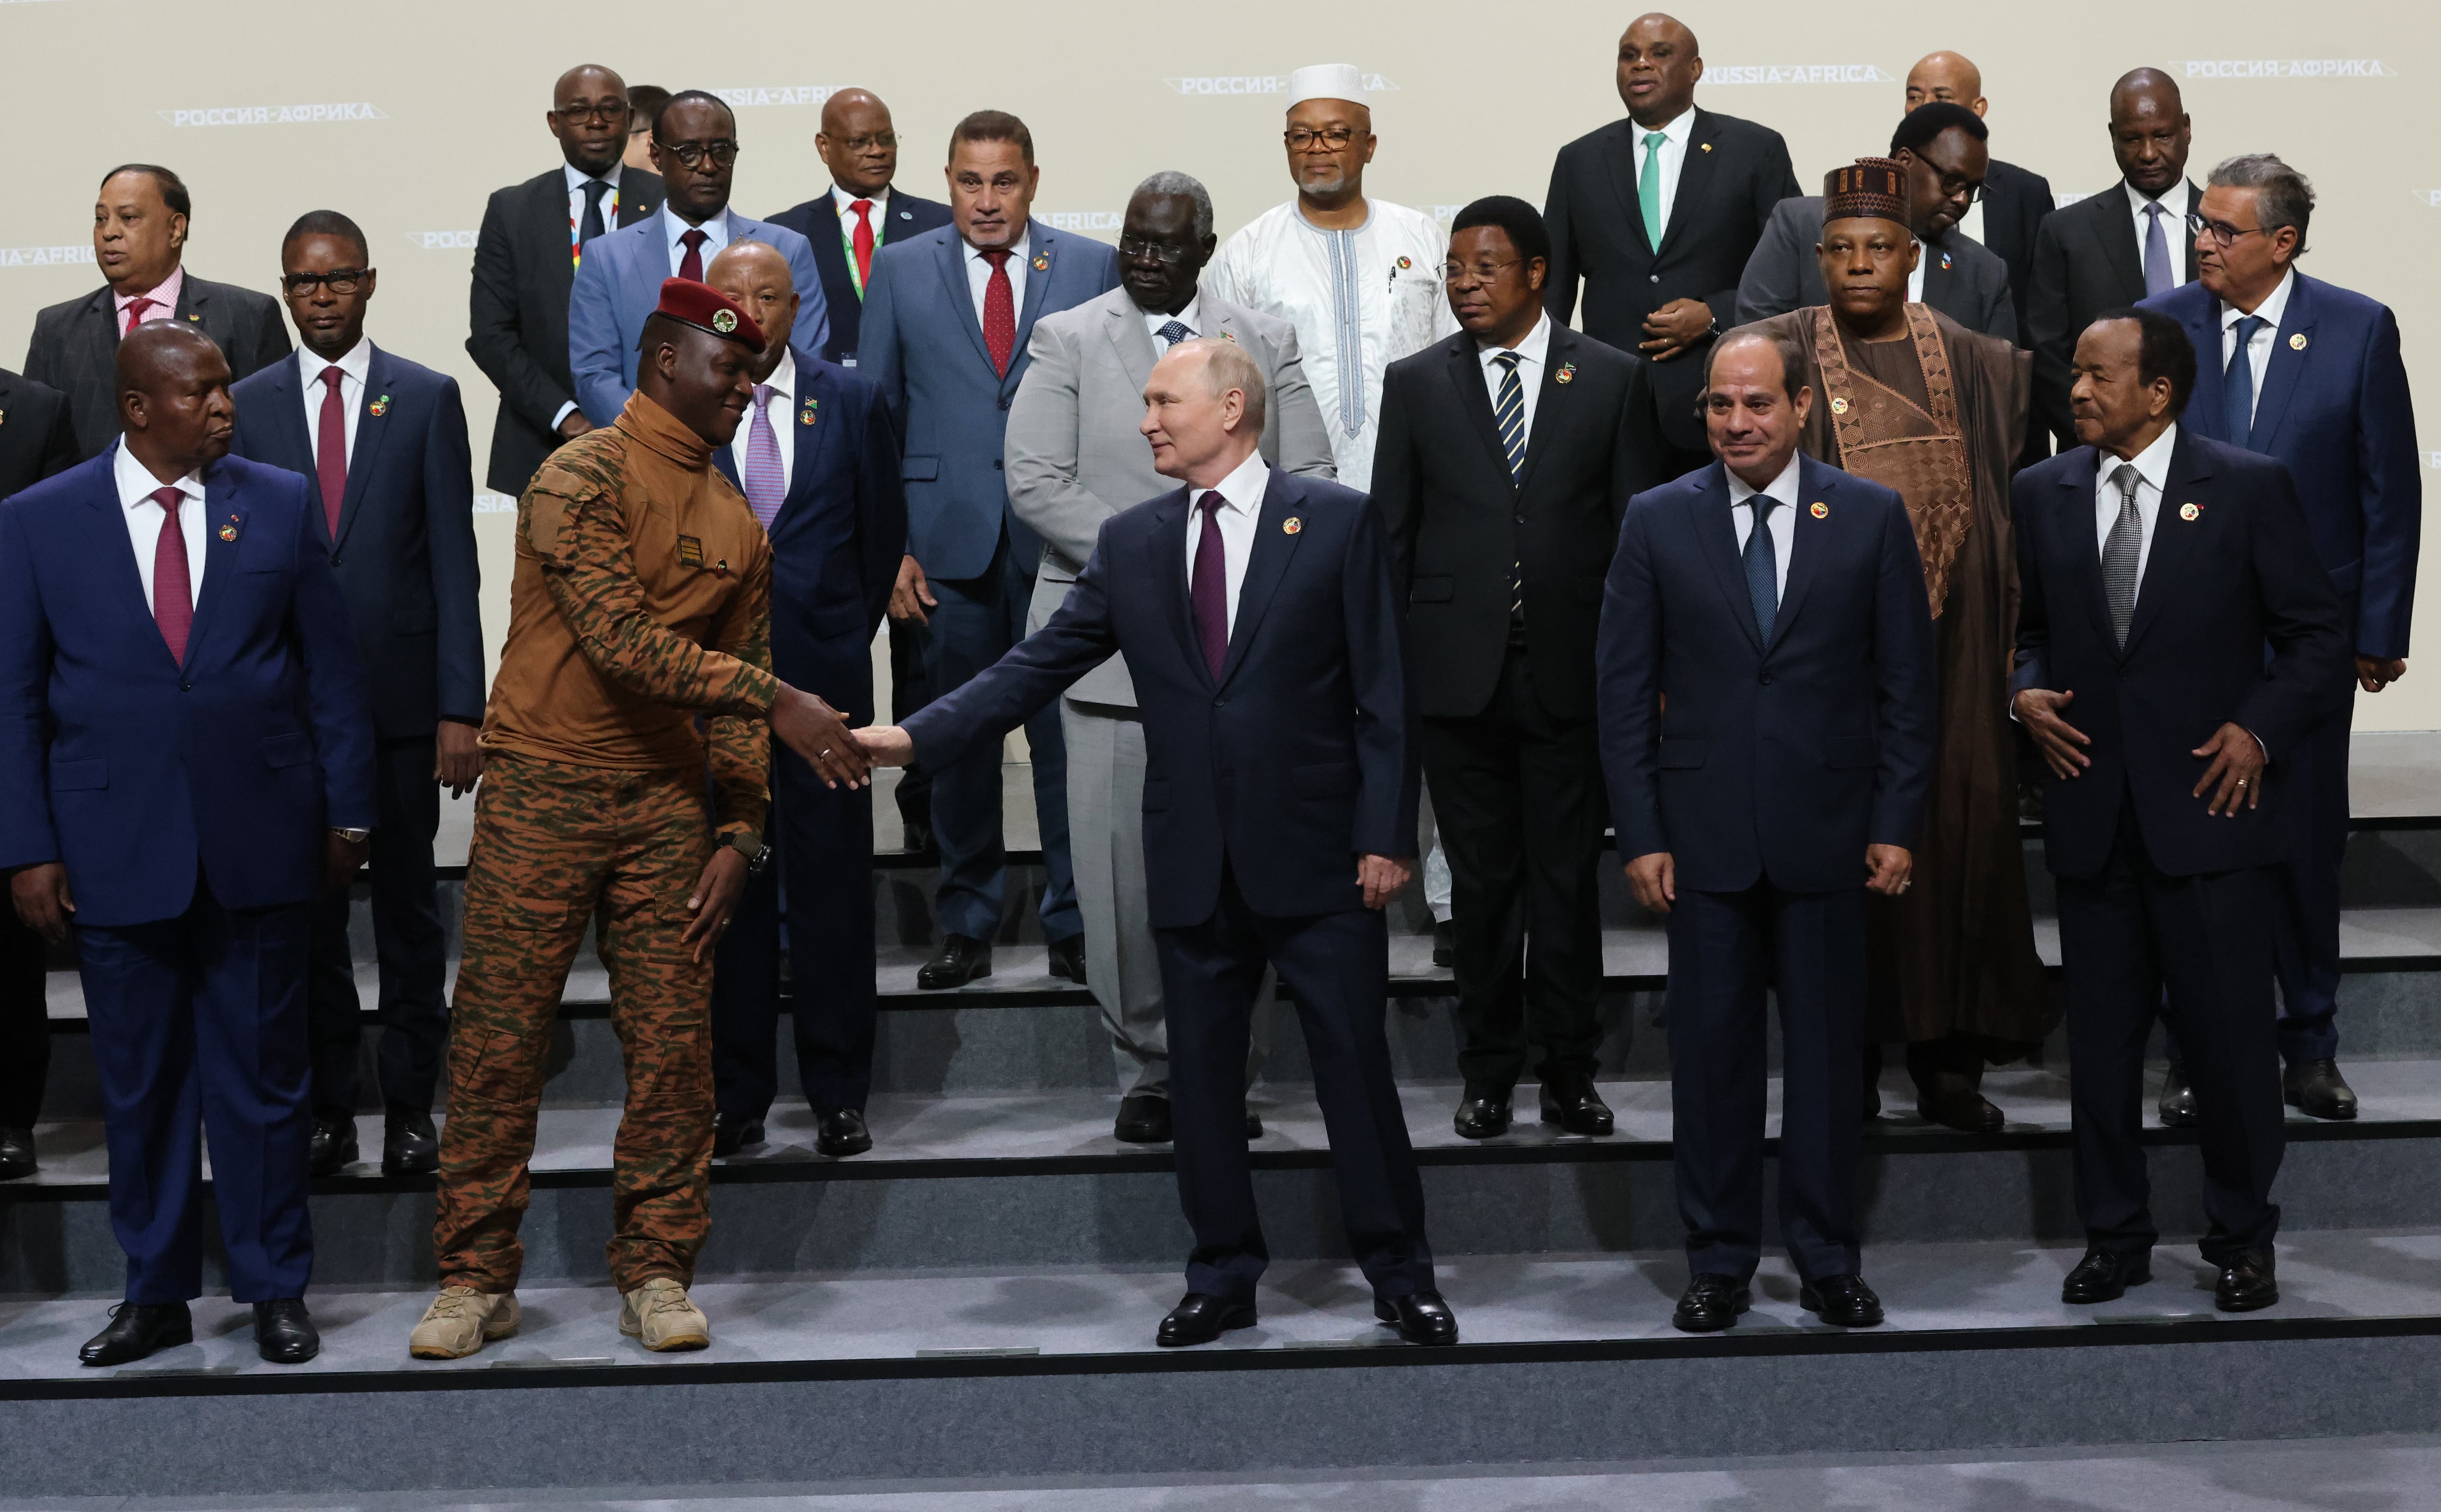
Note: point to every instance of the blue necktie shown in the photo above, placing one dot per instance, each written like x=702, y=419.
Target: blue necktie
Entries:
x=1763, y=567
x=2158, y=277
x=2237, y=387
x=1173, y=332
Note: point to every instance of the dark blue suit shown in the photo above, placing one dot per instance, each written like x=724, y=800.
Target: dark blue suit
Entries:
x=924, y=346
x=1262, y=786
x=2153, y=891
x=835, y=550
x=1775, y=765
x=2334, y=407
x=406, y=561
x=816, y=220
x=189, y=802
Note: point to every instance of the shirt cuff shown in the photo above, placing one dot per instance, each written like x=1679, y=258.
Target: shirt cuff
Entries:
x=561, y=418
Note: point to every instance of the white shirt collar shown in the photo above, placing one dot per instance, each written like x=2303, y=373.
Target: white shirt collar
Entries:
x=1018, y=250
x=2274, y=305
x=1676, y=129
x=577, y=178
x=1242, y=489
x=716, y=231
x=2170, y=200
x=844, y=201
x=356, y=363
x=1782, y=488
x=136, y=484
x=1191, y=317
x=783, y=377
x=2152, y=463
x=1530, y=351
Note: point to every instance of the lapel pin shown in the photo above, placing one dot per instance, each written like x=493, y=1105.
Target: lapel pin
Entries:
x=194, y=317
x=228, y=532
x=807, y=415
x=1839, y=406
x=2191, y=512
x=1042, y=263
x=1406, y=262
x=906, y=215
x=2297, y=342
x=1567, y=373
x=1945, y=263
x=1227, y=334
x=378, y=408
x=1704, y=146
x=1820, y=510
x=1291, y=525
x=4, y=416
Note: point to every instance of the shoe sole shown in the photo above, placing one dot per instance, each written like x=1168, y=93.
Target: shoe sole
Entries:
x=1562, y=1120
x=1229, y=1324
x=841, y=1151
x=2107, y=1296
x=2246, y=1306
x=1813, y=1304
x=166, y=1342
x=676, y=1344
x=2335, y=1116
x=976, y=974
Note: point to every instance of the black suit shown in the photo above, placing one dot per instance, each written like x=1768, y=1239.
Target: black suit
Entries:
x=2153, y=891
x=1508, y=701
x=75, y=348
x=519, y=312
x=816, y=220
x=2015, y=201
x=1734, y=173
x=2088, y=260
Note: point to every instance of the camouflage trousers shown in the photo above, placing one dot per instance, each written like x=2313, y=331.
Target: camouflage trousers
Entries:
x=557, y=845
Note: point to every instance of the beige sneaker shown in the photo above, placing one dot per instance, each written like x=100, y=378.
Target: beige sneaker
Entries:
x=461, y=1320
x=658, y=1314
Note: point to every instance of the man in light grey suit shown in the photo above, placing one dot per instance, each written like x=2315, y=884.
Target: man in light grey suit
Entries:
x=1942, y=146
x=1074, y=457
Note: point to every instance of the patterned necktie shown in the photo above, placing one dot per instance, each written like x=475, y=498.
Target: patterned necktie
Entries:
x=767, y=481
x=2119, y=552
x=691, y=265
x=591, y=225
x=999, y=313
x=1509, y=413
x=331, y=450
x=1173, y=332
x=1209, y=593
x=135, y=309
x=2237, y=386
x=2158, y=277
x=174, y=590
x=1763, y=567
x=1648, y=188
x=863, y=209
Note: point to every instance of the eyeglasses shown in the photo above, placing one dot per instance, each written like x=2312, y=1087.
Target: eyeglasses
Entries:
x=338, y=281
x=605, y=111
x=1164, y=253
x=1480, y=272
x=720, y=151
x=884, y=140
x=2222, y=232
x=1303, y=138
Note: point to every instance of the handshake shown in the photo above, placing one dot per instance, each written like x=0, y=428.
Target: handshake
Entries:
x=839, y=755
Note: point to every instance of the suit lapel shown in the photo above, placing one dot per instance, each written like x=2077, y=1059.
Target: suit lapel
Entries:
x=1552, y=415
x=808, y=442
x=1038, y=273
x=1124, y=325
x=372, y=434
x=1695, y=182
x=288, y=414
x=952, y=261
x=1166, y=562
x=2195, y=197
x=1466, y=377
x=632, y=206
x=1807, y=543
x=2173, y=537
x=127, y=579
x=2203, y=332
x=2122, y=247
x=1267, y=562
x=2291, y=349
x=221, y=511
x=1716, y=536
x=2083, y=552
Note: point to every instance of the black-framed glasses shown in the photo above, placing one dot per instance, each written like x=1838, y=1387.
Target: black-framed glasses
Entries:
x=2222, y=232
x=721, y=152
x=1479, y=272
x=1303, y=138
x=1164, y=253
x=605, y=111
x=338, y=281
x=883, y=140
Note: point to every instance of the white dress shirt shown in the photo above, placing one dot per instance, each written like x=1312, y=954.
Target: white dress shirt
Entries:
x=1191, y=317
x=136, y=486
x=2258, y=351
x=353, y=371
x=1784, y=517
x=716, y=237
x=1531, y=354
x=845, y=201
x=577, y=179
x=978, y=273
x=1241, y=495
x=2153, y=475
x=1673, y=157
x=782, y=408
x=2174, y=224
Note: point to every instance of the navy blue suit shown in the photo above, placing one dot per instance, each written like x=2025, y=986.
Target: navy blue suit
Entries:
x=923, y=343
x=2153, y=891
x=816, y=220
x=189, y=803
x=835, y=550
x=2334, y=407
x=406, y=562
x=1262, y=786
x=1775, y=765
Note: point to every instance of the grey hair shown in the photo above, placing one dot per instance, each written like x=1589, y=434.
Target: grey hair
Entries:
x=1171, y=182
x=2286, y=197
x=1227, y=366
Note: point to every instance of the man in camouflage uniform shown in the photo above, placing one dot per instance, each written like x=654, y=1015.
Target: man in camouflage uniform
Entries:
x=640, y=601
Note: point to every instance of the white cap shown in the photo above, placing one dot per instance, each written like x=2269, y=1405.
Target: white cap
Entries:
x=1325, y=82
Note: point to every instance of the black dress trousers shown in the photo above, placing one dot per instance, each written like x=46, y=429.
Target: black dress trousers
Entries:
x=25, y=1022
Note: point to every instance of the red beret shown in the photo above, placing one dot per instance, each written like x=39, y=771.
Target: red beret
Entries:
x=705, y=308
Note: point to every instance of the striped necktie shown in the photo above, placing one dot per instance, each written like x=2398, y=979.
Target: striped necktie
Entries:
x=1509, y=413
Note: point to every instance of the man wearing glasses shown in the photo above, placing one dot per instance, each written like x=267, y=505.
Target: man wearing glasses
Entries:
x=848, y=223
x=1076, y=458
x=383, y=441
x=533, y=236
x=619, y=282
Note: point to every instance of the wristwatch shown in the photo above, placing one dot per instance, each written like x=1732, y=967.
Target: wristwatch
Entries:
x=354, y=836
x=750, y=845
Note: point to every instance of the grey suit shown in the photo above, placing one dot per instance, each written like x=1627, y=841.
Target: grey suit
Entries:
x=76, y=348
x=1074, y=458
x=1967, y=282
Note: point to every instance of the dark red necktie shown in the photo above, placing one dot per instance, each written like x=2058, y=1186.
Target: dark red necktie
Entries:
x=863, y=209
x=691, y=265
x=1209, y=593
x=999, y=313
x=174, y=590
x=135, y=309
x=331, y=450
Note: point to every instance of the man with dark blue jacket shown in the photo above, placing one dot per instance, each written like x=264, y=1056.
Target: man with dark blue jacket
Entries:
x=186, y=745
x=1767, y=699
x=382, y=441
x=1261, y=629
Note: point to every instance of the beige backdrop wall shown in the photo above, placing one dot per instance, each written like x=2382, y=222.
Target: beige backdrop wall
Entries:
x=406, y=116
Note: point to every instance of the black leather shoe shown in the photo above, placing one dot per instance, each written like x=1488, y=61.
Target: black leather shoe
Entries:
x=731, y=1135
x=1254, y=1124
x=410, y=1145
x=1711, y=1303
x=2317, y=1089
x=841, y=1131
x=960, y=960
x=1444, y=944
x=1482, y=1114
x=2177, y=1108
x=1144, y=1119
x=16, y=1153
x=137, y=1329
x=2105, y=1275
x=1068, y=957
x=1202, y=1317
x=284, y=1334
x=1421, y=1317
x=333, y=1147
x=1842, y=1300
x=1572, y=1102
x=2246, y=1282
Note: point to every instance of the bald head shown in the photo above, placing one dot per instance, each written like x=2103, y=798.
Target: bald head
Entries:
x=1945, y=75
x=173, y=399
x=857, y=143
x=1659, y=66
x=588, y=115
x=2150, y=133
x=756, y=276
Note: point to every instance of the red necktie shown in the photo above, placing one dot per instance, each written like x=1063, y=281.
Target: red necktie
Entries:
x=1208, y=594
x=691, y=265
x=135, y=309
x=999, y=313
x=331, y=450
x=173, y=591
x=863, y=209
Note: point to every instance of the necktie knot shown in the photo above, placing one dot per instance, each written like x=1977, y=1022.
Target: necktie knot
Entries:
x=169, y=498
x=594, y=189
x=1210, y=503
x=331, y=377
x=762, y=395
x=1174, y=332
x=1652, y=141
x=1508, y=359
x=2246, y=327
x=861, y=207
x=135, y=309
x=2126, y=477
x=998, y=258
x=694, y=239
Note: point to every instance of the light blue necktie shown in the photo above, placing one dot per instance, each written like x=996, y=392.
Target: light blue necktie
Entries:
x=1763, y=567
x=1648, y=188
x=2237, y=387
x=2158, y=277
x=767, y=481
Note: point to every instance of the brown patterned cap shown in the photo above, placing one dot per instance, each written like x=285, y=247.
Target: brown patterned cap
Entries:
x=1869, y=188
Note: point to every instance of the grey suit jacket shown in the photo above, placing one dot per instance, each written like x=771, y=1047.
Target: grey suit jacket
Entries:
x=1967, y=282
x=1074, y=454
x=76, y=348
